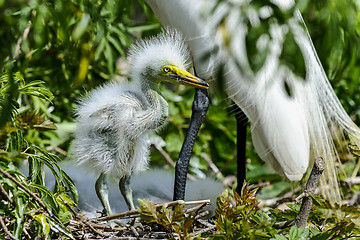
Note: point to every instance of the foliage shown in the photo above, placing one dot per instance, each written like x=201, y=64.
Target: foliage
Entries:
x=172, y=220
x=28, y=206
x=51, y=52
x=238, y=217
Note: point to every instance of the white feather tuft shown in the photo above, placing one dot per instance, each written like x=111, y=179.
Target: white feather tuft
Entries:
x=166, y=48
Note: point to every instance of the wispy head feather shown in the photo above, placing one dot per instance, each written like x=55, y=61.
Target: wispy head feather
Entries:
x=166, y=48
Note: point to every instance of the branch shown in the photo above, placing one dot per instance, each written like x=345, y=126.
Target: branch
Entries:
x=170, y=161
x=212, y=166
x=22, y=38
x=306, y=205
x=351, y=181
x=277, y=200
x=3, y=192
x=6, y=230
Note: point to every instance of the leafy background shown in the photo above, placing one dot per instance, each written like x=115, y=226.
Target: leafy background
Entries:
x=53, y=52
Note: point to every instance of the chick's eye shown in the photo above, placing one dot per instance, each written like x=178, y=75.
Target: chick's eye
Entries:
x=166, y=69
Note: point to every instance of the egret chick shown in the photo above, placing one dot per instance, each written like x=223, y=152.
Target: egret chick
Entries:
x=114, y=121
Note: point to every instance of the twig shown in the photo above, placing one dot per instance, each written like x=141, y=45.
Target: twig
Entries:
x=6, y=230
x=353, y=200
x=205, y=223
x=212, y=166
x=22, y=38
x=306, y=205
x=2, y=190
x=351, y=181
x=117, y=216
x=26, y=233
x=228, y=163
x=202, y=214
x=276, y=201
x=69, y=206
x=36, y=198
x=196, y=208
x=170, y=161
x=165, y=155
x=259, y=185
x=203, y=230
x=94, y=229
x=57, y=149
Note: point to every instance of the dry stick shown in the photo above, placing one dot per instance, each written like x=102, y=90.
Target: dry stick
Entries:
x=22, y=38
x=95, y=230
x=170, y=161
x=259, y=185
x=26, y=233
x=205, y=223
x=69, y=206
x=204, y=230
x=133, y=212
x=200, y=215
x=228, y=163
x=196, y=208
x=354, y=198
x=276, y=201
x=351, y=181
x=2, y=190
x=306, y=205
x=165, y=155
x=212, y=165
x=36, y=198
x=6, y=230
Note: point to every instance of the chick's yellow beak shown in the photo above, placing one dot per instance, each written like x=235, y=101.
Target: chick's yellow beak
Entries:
x=177, y=75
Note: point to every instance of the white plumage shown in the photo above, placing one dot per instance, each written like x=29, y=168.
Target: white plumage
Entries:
x=107, y=133
x=287, y=132
x=115, y=120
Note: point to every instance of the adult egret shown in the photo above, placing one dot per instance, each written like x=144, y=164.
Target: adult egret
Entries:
x=114, y=121
x=287, y=132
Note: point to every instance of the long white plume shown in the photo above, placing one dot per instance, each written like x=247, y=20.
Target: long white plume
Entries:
x=288, y=132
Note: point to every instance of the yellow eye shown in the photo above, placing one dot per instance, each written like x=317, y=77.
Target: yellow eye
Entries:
x=166, y=69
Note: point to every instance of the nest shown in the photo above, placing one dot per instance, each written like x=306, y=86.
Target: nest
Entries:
x=83, y=227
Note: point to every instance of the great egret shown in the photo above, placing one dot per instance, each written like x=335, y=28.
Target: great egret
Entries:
x=287, y=132
x=114, y=121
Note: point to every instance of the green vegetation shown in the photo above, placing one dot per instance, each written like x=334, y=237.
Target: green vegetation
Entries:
x=53, y=51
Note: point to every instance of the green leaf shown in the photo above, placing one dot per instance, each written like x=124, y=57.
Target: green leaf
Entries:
x=59, y=228
x=41, y=218
x=21, y=207
x=147, y=210
x=81, y=27
x=49, y=196
x=279, y=237
x=298, y=233
x=71, y=185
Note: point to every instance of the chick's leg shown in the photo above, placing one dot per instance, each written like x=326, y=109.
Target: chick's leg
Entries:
x=101, y=189
x=126, y=191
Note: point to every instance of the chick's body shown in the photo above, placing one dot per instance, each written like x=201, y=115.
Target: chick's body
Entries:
x=109, y=138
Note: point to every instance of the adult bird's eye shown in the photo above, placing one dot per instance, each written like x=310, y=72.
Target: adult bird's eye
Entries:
x=166, y=69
